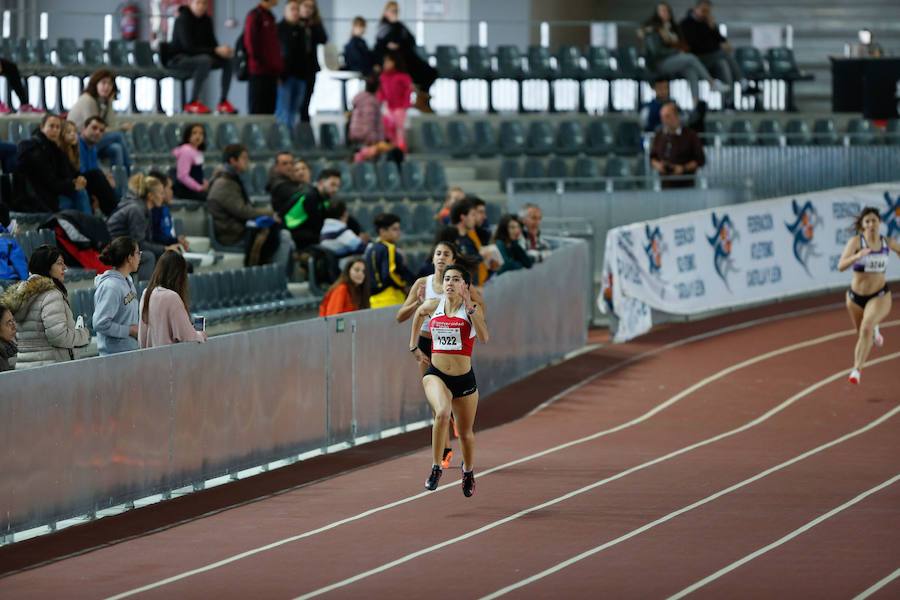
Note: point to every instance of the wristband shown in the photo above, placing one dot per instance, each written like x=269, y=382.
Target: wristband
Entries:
x=472, y=311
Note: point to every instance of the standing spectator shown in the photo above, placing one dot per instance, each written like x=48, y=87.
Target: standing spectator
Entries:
x=165, y=316
x=97, y=101
x=390, y=278
x=349, y=293
x=357, y=55
x=10, y=71
x=162, y=227
x=195, y=49
x=47, y=330
x=366, y=125
x=306, y=214
x=8, y=348
x=301, y=32
x=68, y=143
x=264, y=61
x=531, y=216
x=393, y=35
x=115, y=298
x=394, y=90
x=98, y=183
x=44, y=181
x=230, y=208
x=282, y=183
x=509, y=232
x=133, y=219
x=189, y=181
x=676, y=150
x=337, y=235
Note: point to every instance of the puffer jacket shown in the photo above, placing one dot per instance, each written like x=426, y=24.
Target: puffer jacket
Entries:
x=47, y=332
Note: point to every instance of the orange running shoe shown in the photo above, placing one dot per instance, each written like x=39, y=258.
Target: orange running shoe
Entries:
x=448, y=457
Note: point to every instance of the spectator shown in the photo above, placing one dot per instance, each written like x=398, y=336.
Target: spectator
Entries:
x=366, y=125
x=482, y=227
x=357, y=56
x=454, y=193
x=302, y=172
x=196, y=50
x=162, y=227
x=8, y=348
x=133, y=219
x=115, y=298
x=264, y=62
x=292, y=85
x=667, y=52
x=165, y=318
x=282, y=183
x=68, y=143
x=14, y=82
x=349, y=293
x=394, y=36
x=463, y=218
x=47, y=330
x=8, y=155
x=229, y=206
x=531, y=216
x=302, y=60
x=44, y=182
x=507, y=238
x=390, y=278
x=189, y=181
x=866, y=47
x=337, y=235
x=676, y=150
x=98, y=183
x=709, y=45
x=97, y=101
x=650, y=112
x=394, y=90
x=306, y=213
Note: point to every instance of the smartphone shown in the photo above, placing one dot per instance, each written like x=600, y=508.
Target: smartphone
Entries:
x=200, y=323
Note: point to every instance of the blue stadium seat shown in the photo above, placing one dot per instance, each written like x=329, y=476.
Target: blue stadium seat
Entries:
x=304, y=138
x=414, y=179
x=329, y=137
x=557, y=168
x=892, y=132
x=433, y=137
x=617, y=167
x=741, y=133
x=509, y=169
x=364, y=179
x=253, y=137
x=227, y=134
x=389, y=179
x=769, y=132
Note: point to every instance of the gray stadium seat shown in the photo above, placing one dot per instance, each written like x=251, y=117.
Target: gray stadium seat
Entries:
x=569, y=138
x=253, y=137
x=414, y=179
x=157, y=138
x=509, y=169
x=304, y=138
x=892, y=132
x=769, y=132
x=485, y=139
x=512, y=138
x=618, y=167
x=860, y=132
x=364, y=178
x=140, y=137
x=557, y=168
x=389, y=179
x=433, y=137
x=599, y=139
x=824, y=133
x=92, y=53
x=423, y=219
x=797, y=133
x=459, y=139
x=586, y=168
x=540, y=138
x=329, y=137
x=715, y=130
x=628, y=138
x=279, y=137
x=226, y=134
x=741, y=133
x=435, y=178
x=172, y=134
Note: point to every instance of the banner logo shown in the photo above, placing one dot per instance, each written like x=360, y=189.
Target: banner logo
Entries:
x=804, y=229
x=891, y=216
x=722, y=242
x=654, y=249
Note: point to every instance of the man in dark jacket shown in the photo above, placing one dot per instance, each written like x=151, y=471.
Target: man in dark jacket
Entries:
x=283, y=183
x=676, y=150
x=264, y=62
x=357, y=55
x=195, y=49
x=300, y=34
x=306, y=215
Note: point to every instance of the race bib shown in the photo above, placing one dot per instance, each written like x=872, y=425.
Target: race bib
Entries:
x=446, y=338
x=876, y=264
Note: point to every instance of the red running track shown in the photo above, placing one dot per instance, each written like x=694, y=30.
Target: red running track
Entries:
x=737, y=463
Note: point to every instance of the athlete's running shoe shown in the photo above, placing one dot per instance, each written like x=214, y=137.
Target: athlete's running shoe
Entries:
x=432, y=482
x=855, y=376
x=448, y=456
x=468, y=483
x=878, y=339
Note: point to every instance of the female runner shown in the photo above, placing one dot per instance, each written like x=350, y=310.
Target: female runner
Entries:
x=868, y=299
x=429, y=288
x=449, y=382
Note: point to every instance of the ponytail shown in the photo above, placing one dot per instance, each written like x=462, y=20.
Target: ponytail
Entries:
x=141, y=185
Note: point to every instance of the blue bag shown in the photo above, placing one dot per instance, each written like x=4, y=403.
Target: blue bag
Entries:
x=13, y=265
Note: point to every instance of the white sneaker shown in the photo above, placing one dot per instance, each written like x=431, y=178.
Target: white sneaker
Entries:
x=855, y=377
x=878, y=338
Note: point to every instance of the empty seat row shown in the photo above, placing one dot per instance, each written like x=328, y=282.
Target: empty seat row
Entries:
x=615, y=172
x=797, y=132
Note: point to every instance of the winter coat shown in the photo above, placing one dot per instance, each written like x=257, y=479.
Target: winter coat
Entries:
x=8, y=351
x=47, y=332
x=42, y=175
x=357, y=56
x=187, y=158
x=87, y=106
x=299, y=48
x=132, y=219
x=115, y=311
x=396, y=87
x=229, y=206
x=366, y=123
x=193, y=35
x=262, y=44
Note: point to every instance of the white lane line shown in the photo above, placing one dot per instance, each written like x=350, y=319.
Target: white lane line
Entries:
x=635, y=532
x=880, y=584
x=368, y=513
x=493, y=525
x=783, y=540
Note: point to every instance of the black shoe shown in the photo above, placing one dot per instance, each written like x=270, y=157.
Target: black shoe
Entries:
x=468, y=484
x=434, y=478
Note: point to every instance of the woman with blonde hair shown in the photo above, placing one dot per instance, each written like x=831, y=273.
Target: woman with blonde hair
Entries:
x=68, y=143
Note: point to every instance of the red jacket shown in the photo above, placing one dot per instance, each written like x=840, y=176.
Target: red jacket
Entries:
x=261, y=42
x=396, y=86
x=336, y=301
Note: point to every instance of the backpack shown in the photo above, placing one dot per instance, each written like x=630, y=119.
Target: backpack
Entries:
x=13, y=265
x=241, y=60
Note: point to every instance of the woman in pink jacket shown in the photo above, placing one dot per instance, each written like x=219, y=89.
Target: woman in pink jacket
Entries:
x=165, y=318
x=395, y=90
x=189, y=182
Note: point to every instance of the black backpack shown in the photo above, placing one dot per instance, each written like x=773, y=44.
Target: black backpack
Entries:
x=241, y=60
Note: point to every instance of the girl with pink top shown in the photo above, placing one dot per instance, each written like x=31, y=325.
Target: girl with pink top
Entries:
x=165, y=318
x=189, y=182
x=395, y=90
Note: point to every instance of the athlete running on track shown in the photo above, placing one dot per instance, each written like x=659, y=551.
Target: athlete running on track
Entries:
x=868, y=299
x=449, y=381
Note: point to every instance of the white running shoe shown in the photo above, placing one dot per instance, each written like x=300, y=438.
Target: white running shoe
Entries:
x=878, y=338
x=855, y=376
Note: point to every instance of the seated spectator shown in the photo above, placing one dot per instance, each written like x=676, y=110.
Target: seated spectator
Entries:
x=709, y=45
x=162, y=227
x=463, y=218
x=97, y=101
x=47, y=330
x=395, y=88
x=305, y=214
x=68, y=143
x=302, y=172
x=389, y=276
x=337, y=236
x=8, y=156
x=282, y=183
x=482, y=227
x=98, y=182
x=115, y=298
x=366, y=125
x=349, y=293
x=454, y=193
x=531, y=216
x=357, y=55
x=8, y=348
x=650, y=112
x=190, y=184
x=229, y=206
x=507, y=238
x=165, y=317
x=676, y=150
x=44, y=181
x=195, y=49
x=14, y=82
x=133, y=218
